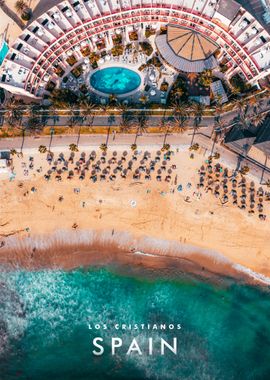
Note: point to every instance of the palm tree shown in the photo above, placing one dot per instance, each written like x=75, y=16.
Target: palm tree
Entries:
x=143, y=99
x=165, y=147
x=217, y=132
x=165, y=126
x=73, y=148
x=14, y=111
x=51, y=137
x=198, y=109
x=13, y=152
x=180, y=114
x=133, y=147
x=142, y=120
x=125, y=123
x=87, y=108
x=112, y=99
x=75, y=117
x=42, y=149
x=267, y=183
x=53, y=113
x=258, y=119
x=103, y=147
x=20, y=6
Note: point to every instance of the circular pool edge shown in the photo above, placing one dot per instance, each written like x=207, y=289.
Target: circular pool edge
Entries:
x=107, y=95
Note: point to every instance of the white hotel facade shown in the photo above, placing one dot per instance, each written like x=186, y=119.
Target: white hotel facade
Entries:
x=43, y=47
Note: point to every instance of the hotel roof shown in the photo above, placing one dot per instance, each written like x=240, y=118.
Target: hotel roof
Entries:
x=228, y=9
x=189, y=44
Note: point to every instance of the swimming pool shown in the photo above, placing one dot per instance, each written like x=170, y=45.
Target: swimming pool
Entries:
x=3, y=51
x=115, y=80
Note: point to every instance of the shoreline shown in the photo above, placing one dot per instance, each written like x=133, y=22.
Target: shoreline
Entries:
x=69, y=250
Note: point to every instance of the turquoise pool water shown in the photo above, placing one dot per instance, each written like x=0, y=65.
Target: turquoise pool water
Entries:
x=115, y=80
x=44, y=331
x=3, y=51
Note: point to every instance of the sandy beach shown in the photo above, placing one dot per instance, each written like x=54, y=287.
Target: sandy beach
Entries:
x=74, y=222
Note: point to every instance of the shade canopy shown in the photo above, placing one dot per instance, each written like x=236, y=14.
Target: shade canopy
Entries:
x=190, y=44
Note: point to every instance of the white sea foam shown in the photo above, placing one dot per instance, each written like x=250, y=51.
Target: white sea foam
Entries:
x=145, y=246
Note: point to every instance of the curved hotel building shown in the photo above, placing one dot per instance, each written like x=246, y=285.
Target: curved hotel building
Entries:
x=188, y=35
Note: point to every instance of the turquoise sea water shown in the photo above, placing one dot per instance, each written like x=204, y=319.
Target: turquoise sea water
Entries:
x=115, y=80
x=44, y=331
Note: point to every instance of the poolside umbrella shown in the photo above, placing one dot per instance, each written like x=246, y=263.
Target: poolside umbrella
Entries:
x=101, y=61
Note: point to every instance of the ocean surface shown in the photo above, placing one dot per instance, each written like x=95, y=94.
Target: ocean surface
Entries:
x=45, y=317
